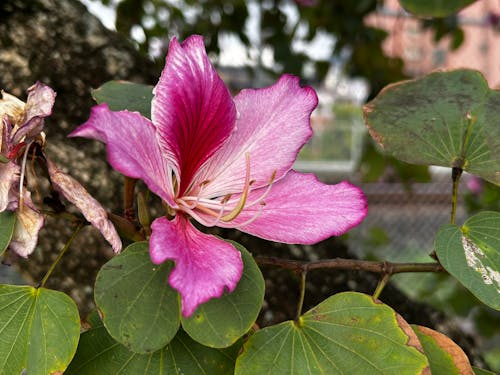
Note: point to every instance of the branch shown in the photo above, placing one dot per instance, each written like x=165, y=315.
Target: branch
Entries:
x=350, y=264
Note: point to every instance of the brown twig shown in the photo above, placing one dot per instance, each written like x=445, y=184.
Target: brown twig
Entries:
x=349, y=264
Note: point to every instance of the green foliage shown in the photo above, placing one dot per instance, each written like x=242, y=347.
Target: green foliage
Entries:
x=121, y=95
x=445, y=357
x=40, y=330
x=7, y=223
x=140, y=309
x=471, y=253
x=345, y=332
x=99, y=354
x=487, y=198
x=335, y=139
x=375, y=165
x=444, y=118
x=480, y=371
x=220, y=322
x=434, y=8
x=358, y=44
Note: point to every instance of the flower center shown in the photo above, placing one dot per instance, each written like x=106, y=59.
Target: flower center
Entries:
x=218, y=207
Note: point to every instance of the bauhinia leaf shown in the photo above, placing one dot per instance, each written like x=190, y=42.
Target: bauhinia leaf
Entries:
x=221, y=321
x=140, y=309
x=434, y=8
x=39, y=329
x=445, y=357
x=7, y=223
x=121, y=95
x=348, y=333
x=99, y=354
x=449, y=119
x=471, y=253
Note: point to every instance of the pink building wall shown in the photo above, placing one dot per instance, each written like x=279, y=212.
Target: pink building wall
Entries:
x=480, y=49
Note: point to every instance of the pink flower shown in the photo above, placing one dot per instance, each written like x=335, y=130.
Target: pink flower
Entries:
x=475, y=185
x=224, y=162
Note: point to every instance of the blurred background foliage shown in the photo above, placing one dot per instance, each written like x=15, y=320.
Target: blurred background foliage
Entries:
x=338, y=29
x=280, y=26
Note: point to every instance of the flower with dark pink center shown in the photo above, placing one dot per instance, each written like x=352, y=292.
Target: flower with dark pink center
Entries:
x=224, y=162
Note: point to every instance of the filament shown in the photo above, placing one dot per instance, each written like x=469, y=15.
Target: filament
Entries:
x=241, y=204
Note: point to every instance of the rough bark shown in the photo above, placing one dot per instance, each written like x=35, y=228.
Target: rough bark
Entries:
x=59, y=43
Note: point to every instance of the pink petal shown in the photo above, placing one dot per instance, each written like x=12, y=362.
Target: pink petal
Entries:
x=39, y=105
x=9, y=183
x=205, y=266
x=273, y=125
x=28, y=223
x=301, y=209
x=192, y=108
x=89, y=207
x=41, y=99
x=132, y=147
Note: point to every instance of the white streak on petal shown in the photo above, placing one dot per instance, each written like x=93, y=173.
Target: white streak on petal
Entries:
x=9, y=178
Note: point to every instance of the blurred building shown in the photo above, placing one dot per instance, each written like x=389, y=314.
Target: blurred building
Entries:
x=411, y=41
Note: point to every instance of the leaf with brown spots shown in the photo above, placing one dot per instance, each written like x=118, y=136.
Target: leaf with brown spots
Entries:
x=445, y=357
x=451, y=119
x=348, y=333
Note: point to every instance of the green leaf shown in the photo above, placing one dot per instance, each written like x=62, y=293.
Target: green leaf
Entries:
x=445, y=118
x=7, y=223
x=140, y=309
x=120, y=95
x=99, y=354
x=39, y=329
x=434, y=8
x=445, y=357
x=471, y=254
x=480, y=371
x=221, y=321
x=348, y=333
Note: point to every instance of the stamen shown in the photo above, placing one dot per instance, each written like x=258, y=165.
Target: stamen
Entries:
x=254, y=217
x=264, y=195
x=200, y=207
x=204, y=221
x=195, y=203
x=241, y=204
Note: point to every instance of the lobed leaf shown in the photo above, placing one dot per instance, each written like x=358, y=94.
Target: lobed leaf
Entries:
x=39, y=330
x=7, y=223
x=434, y=8
x=471, y=254
x=140, y=310
x=480, y=371
x=99, y=354
x=123, y=95
x=221, y=321
x=451, y=119
x=348, y=333
x=445, y=357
